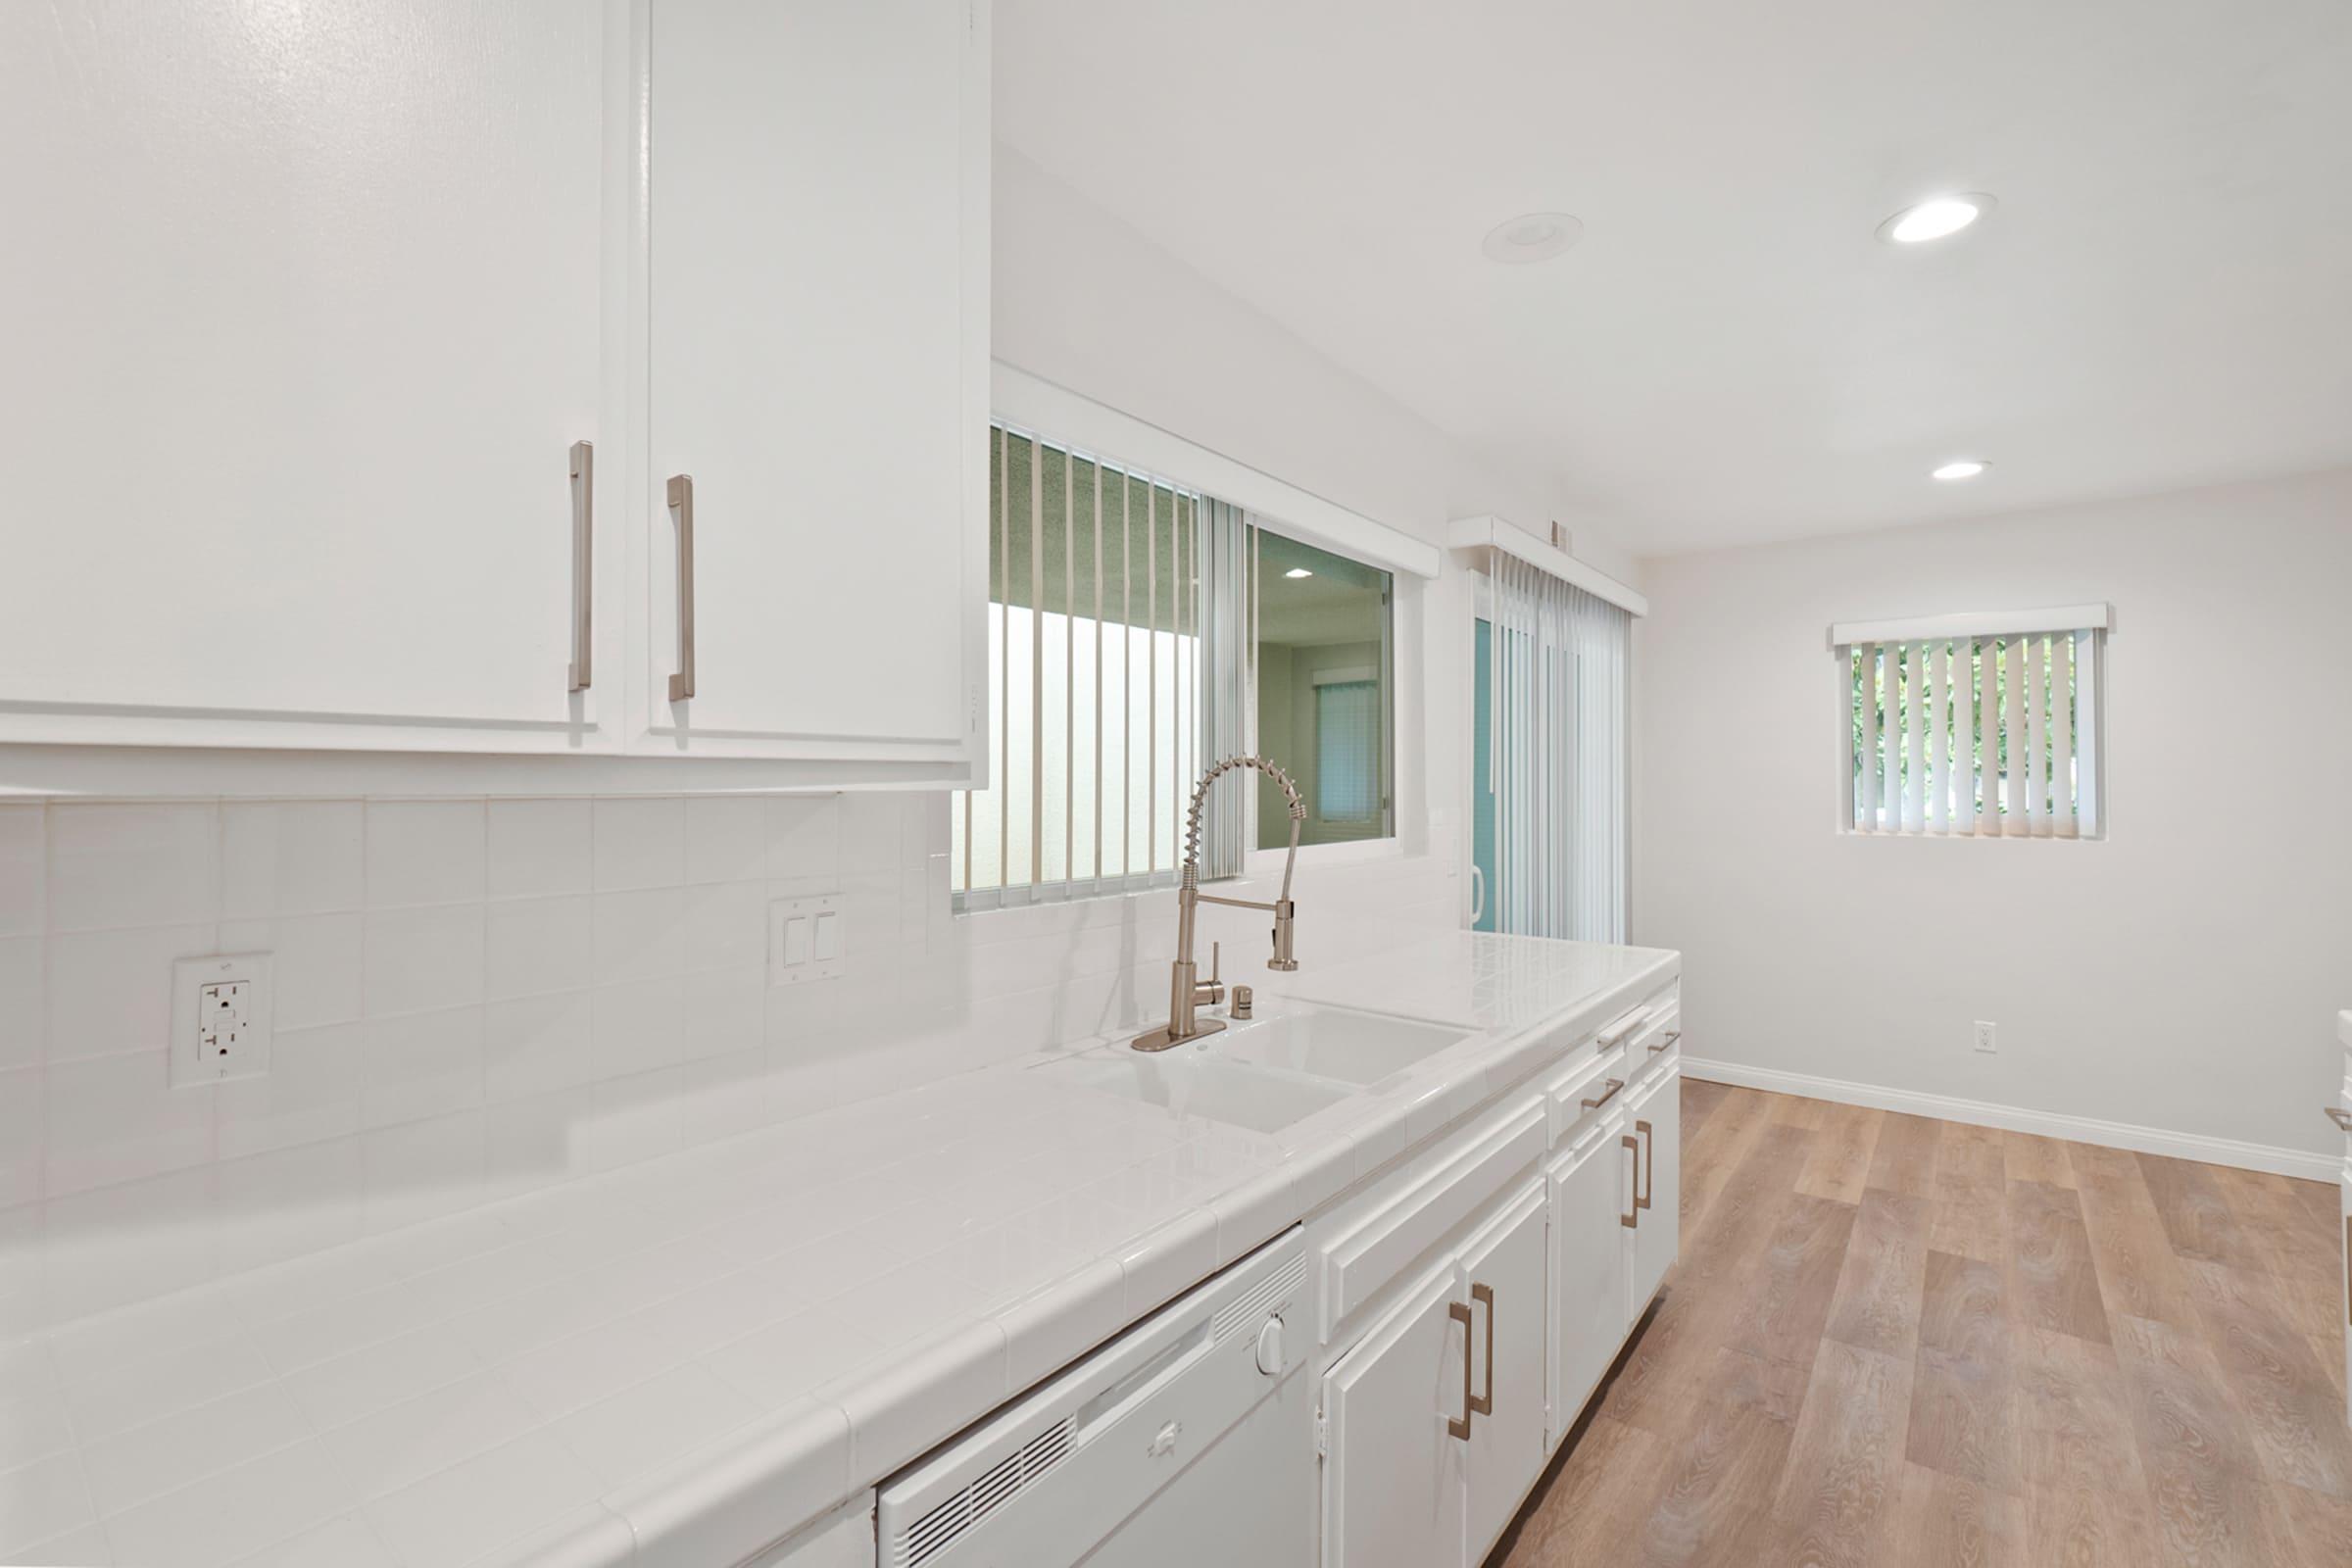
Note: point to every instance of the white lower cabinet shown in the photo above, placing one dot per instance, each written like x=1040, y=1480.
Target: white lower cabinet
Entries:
x=1655, y=1111
x=1592, y=1206
x=1503, y=1271
x=1393, y=1472
x=1475, y=1301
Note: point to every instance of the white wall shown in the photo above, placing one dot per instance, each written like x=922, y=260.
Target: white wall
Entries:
x=2183, y=974
x=1084, y=301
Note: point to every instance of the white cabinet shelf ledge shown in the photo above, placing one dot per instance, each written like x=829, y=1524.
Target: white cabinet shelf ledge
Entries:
x=363, y=361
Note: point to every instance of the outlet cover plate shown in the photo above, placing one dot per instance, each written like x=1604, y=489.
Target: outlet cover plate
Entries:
x=212, y=1038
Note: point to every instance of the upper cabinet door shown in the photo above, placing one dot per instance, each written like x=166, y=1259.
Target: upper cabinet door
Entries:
x=302, y=307
x=817, y=253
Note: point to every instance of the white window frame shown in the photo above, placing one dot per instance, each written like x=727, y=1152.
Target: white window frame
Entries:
x=1101, y=434
x=2091, y=624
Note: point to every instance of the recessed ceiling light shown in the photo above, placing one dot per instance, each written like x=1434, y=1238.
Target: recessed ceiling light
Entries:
x=1297, y=571
x=1935, y=217
x=1959, y=468
x=1532, y=237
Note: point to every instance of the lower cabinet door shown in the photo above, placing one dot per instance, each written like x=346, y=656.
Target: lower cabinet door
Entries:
x=1591, y=1198
x=1393, y=1470
x=1656, y=1119
x=1502, y=1274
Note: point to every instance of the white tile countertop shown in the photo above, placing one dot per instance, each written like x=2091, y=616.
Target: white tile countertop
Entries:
x=681, y=1361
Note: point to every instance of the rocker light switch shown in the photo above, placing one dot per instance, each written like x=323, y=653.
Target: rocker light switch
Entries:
x=805, y=939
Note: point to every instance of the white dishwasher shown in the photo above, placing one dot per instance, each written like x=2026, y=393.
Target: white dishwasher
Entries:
x=1188, y=1439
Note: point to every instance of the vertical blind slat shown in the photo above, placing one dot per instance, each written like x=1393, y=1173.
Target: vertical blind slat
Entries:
x=2013, y=734
x=1891, y=719
x=2037, y=674
x=1915, y=795
x=1866, y=679
x=2062, y=725
x=1940, y=736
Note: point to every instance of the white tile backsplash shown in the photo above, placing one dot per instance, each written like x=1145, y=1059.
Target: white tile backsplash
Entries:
x=640, y=842
x=25, y=1022
x=424, y=851
x=291, y=857
x=477, y=999
x=539, y=847
x=130, y=864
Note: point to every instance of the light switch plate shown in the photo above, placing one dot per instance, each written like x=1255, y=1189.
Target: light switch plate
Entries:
x=806, y=939
x=220, y=1018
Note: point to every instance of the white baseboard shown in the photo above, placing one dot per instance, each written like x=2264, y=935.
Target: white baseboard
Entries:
x=2050, y=1125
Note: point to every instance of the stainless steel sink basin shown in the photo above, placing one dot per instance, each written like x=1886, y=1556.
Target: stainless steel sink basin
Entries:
x=1264, y=1073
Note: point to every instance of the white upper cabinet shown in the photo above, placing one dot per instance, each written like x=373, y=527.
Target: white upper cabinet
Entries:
x=311, y=309
x=302, y=307
x=818, y=250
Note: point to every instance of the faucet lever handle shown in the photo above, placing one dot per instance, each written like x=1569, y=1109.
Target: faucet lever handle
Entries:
x=1217, y=962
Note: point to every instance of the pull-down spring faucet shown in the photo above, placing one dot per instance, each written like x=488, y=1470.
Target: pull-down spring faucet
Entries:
x=1186, y=992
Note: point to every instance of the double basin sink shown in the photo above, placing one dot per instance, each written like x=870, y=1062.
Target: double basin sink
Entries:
x=1263, y=1073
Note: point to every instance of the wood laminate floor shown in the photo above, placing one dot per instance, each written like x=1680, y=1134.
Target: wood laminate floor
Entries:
x=1897, y=1341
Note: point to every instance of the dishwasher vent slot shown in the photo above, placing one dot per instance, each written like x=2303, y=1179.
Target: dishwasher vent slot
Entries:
x=995, y=1486
x=1247, y=1311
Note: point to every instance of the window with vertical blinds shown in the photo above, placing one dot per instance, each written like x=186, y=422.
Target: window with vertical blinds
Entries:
x=1982, y=727
x=1127, y=628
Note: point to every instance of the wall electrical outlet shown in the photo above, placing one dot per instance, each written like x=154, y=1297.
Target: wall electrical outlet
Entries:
x=220, y=1018
x=1985, y=1037
x=806, y=939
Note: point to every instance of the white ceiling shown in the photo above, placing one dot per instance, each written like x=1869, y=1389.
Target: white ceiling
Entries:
x=2163, y=298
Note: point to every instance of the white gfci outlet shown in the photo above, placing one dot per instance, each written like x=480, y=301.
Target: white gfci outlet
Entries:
x=1985, y=1037
x=219, y=1018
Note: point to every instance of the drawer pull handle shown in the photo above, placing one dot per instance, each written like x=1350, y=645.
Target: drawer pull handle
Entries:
x=1615, y=1034
x=583, y=565
x=1608, y=1093
x=1631, y=1219
x=1483, y=1404
x=1664, y=1040
x=1461, y=1313
x=1647, y=1186
x=2338, y=1115
x=681, y=512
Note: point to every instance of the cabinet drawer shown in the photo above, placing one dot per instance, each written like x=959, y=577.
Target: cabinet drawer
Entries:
x=1361, y=1260
x=1587, y=1078
x=1656, y=1043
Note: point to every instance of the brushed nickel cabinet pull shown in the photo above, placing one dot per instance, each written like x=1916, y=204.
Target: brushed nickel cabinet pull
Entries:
x=2338, y=1115
x=1484, y=1294
x=1631, y=1219
x=681, y=513
x=1647, y=1186
x=1608, y=1093
x=583, y=563
x=1664, y=1040
x=1462, y=1429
